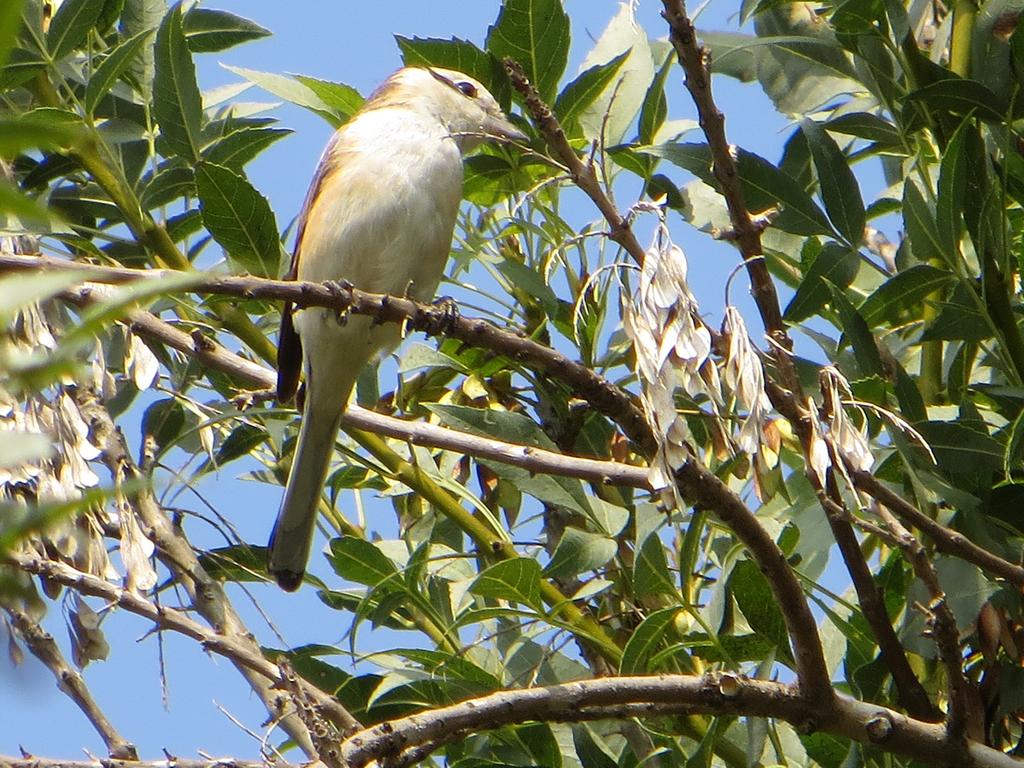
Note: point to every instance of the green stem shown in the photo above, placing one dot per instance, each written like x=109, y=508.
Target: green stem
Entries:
x=965, y=15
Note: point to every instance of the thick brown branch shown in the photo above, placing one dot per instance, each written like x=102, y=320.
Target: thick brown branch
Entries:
x=44, y=647
x=595, y=389
x=583, y=174
x=652, y=696
x=706, y=491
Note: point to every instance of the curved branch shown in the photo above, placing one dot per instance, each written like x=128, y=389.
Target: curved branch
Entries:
x=433, y=320
x=717, y=694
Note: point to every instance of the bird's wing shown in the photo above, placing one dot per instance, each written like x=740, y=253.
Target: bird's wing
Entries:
x=289, y=345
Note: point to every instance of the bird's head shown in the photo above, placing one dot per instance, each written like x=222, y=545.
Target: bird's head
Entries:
x=460, y=103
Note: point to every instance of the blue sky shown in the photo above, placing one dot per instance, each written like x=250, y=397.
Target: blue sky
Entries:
x=351, y=42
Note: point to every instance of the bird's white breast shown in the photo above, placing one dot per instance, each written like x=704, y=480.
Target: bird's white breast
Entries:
x=384, y=214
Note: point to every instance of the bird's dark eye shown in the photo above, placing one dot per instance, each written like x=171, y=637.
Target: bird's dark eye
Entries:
x=467, y=88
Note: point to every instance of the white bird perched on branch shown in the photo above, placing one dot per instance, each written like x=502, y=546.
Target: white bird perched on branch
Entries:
x=379, y=214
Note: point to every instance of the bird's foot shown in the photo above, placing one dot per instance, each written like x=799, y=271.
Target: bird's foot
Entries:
x=444, y=321
x=341, y=290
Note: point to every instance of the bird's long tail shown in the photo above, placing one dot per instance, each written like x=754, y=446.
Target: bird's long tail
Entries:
x=292, y=537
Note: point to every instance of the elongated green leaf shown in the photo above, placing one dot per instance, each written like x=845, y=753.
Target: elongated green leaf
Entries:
x=754, y=597
x=138, y=16
x=10, y=21
x=208, y=30
x=536, y=34
x=71, y=25
x=960, y=97
x=113, y=66
x=343, y=100
x=516, y=580
x=360, y=561
x=960, y=448
x=21, y=290
x=462, y=56
x=764, y=185
x=919, y=223
x=865, y=350
x=865, y=125
x=289, y=89
x=167, y=186
x=645, y=640
x=13, y=201
x=952, y=191
x=835, y=264
x=586, y=88
x=235, y=149
x=177, y=103
x=650, y=571
x=900, y=297
x=655, y=107
x=240, y=219
x=579, y=551
x=839, y=189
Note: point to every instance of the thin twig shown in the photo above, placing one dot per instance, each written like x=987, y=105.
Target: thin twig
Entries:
x=42, y=645
x=582, y=174
x=946, y=540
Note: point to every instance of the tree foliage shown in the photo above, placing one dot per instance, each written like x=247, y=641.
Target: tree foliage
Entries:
x=590, y=480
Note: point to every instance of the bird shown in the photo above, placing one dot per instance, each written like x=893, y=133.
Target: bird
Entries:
x=379, y=215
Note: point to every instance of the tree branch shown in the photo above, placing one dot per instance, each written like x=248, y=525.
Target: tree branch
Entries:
x=715, y=694
x=238, y=648
x=44, y=647
x=946, y=540
x=33, y=761
x=433, y=320
x=582, y=174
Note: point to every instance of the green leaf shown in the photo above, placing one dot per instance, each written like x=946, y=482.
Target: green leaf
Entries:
x=645, y=640
x=360, y=561
x=536, y=34
x=764, y=185
x=233, y=150
x=865, y=350
x=71, y=25
x=10, y=23
x=650, y=571
x=241, y=441
x=240, y=219
x=960, y=317
x=208, y=30
x=585, y=89
x=12, y=201
x=899, y=298
x=139, y=16
x=919, y=222
x=167, y=186
x=579, y=551
x=755, y=598
x=238, y=563
x=113, y=66
x=516, y=580
x=163, y=421
x=342, y=100
x=177, y=103
x=962, y=449
x=865, y=125
x=655, y=107
x=835, y=264
x=291, y=90
x=960, y=97
x=460, y=55
x=839, y=189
